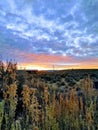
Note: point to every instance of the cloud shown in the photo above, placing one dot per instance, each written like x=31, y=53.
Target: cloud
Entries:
x=50, y=29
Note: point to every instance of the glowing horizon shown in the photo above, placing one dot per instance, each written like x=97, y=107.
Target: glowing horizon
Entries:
x=31, y=67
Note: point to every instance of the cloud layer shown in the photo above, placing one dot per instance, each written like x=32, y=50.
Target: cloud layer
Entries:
x=63, y=33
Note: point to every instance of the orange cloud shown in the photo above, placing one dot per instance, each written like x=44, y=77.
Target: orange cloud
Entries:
x=43, y=61
x=46, y=61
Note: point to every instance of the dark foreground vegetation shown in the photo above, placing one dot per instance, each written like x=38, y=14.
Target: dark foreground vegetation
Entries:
x=59, y=100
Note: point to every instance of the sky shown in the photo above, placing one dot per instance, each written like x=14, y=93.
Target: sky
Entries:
x=40, y=34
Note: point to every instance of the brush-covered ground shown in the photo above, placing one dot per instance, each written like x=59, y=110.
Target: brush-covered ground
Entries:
x=48, y=100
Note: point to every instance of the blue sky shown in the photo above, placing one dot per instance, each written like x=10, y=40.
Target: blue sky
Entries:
x=42, y=33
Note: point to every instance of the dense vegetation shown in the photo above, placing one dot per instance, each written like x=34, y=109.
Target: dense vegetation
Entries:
x=59, y=100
